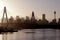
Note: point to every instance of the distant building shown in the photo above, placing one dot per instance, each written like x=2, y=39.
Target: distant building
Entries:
x=11, y=19
x=18, y=20
x=17, y=17
x=11, y=22
x=43, y=16
x=54, y=19
x=39, y=21
x=44, y=20
x=32, y=13
x=59, y=21
x=54, y=14
x=33, y=17
x=53, y=22
x=27, y=18
x=22, y=20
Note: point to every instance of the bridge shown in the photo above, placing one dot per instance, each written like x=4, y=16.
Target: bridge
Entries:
x=5, y=29
x=4, y=25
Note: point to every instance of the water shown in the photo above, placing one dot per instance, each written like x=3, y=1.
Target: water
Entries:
x=34, y=34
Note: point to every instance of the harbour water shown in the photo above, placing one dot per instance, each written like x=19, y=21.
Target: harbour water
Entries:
x=34, y=34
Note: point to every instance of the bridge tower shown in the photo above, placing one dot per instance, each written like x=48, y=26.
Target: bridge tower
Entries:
x=4, y=23
x=4, y=18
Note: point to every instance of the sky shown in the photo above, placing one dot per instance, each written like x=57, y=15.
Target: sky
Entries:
x=24, y=8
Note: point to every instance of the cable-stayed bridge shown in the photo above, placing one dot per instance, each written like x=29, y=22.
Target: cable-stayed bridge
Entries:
x=4, y=25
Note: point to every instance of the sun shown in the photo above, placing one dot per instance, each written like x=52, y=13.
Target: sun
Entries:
x=2, y=5
x=1, y=8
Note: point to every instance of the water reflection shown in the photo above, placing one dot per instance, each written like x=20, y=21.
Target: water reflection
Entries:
x=34, y=34
x=0, y=37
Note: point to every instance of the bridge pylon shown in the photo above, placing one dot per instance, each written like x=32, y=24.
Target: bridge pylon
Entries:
x=4, y=21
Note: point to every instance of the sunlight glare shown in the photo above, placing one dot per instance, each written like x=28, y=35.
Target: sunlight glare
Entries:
x=2, y=5
x=1, y=8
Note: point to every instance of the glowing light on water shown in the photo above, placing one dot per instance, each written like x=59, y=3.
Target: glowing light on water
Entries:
x=0, y=37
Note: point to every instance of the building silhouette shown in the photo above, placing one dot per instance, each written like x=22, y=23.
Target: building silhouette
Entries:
x=59, y=21
x=27, y=18
x=33, y=17
x=44, y=20
x=21, y=23
x=22, y=20
x=54, y=14
x=39, y=22
x=11, y=22
x=54, y=22
x=43, y=17
x=11, y=19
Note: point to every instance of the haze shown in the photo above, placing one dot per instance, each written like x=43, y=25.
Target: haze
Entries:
x=24, y=8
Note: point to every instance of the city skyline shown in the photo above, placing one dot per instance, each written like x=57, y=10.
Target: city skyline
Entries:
x=24, y=8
